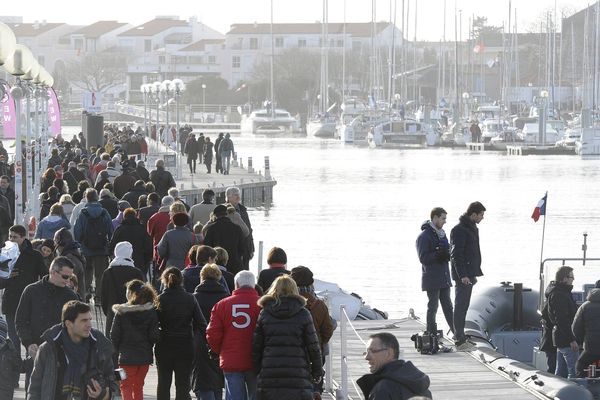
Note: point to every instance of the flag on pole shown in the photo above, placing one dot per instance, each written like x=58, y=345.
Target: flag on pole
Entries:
x=540, y=209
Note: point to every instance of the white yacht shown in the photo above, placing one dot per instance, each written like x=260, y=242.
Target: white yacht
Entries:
x=456, y=135
x=397, y=133
x=530, y=134
x=323, y=126
x=491, y=128
x=351, y=109
x=589, y=143
x=264, y=121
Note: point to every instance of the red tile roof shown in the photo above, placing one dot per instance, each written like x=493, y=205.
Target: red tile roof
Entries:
x=201, y=44
x=33, y=29
x=358, y=29
x=98, y=29
x=153, y=27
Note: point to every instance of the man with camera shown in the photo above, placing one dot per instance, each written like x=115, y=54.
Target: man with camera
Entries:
x=434, y=253
x=75, y=361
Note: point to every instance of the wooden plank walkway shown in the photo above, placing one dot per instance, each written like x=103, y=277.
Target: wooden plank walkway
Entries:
x=453, y=375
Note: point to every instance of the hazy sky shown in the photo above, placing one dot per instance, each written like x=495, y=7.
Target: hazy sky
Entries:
x=220, y=14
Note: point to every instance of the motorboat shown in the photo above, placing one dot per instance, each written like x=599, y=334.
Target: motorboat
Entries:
x=530, y=135
x=589, y=142
x=397, y=133
x=358, y=129
x=351, y=109
x=263, y=121
x=507, y=137
x=570, y=138
x=323, y=126
x=355, y=307
x=456, y=135
x=491, y=128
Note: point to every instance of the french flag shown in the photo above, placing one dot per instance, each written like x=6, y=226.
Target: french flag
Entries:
x=540, y=209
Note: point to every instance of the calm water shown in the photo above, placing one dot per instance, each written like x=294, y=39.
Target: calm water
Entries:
x=352, y=214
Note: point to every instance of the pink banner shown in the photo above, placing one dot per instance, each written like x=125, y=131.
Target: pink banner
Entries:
x=53, y=113
x=9, y=115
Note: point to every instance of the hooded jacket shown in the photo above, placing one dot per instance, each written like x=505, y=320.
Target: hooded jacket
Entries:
x=49, y=225
x=30, y=266
x=130, y=230
x=465, y=254
x=586, y=325
x=95, y=210
x=175, y=245
x=434, y=254
x=134, y=332
x=561, y=309
x=50, y=363
x=398, y=380
x=285, y=349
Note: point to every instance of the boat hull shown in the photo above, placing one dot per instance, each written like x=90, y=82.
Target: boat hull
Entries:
x=321, y=129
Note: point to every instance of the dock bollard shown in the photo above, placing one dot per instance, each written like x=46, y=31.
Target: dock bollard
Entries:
x=260, y=255
x=234, y=163
x=267, y=168
x=250, y=169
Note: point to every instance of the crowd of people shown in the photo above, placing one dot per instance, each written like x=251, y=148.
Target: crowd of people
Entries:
x=172, y=284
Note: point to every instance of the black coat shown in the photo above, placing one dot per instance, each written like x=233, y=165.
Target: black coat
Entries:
x=285, y=350
x=191, y=148
x=113, y=288
x=179, y=315
x=546, y=343
x=586, y=325
x=561, y=309
x=207, y=374
x=434, y=254
x=229, y=236
x=30, y=268
x=145, y=213
x=134, y=332
x=465, y=255
x=208, y=155
x=142, y=173
x=162, y=180
x=398, y=380
x=110, y=205
x=249, y=240
x=40, y=308
x=267, y=276
x=134, y=195
x=133, y=232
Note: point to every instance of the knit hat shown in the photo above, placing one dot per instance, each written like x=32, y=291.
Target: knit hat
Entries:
x=180, y=219
x=123, y=252
x=220, y=210
x=123, y=205
x=302, y=275
x=49, y=243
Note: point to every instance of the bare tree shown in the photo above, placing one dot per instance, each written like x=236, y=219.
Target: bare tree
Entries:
x=97, y=72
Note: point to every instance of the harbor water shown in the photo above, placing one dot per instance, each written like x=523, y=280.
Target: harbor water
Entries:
x=352, y=214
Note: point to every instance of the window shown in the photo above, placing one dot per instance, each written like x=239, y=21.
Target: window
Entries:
x=253, y=43
x=278, y=42
x=236, y=62
x=178, y=60
x=301, y=42
x=78, y=44
x=161, y=59
x=147, y=45
x=196, y=60
x=212, y=59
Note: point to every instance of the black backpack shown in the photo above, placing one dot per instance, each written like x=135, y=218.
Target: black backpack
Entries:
x=94, y=237
x=10, y=365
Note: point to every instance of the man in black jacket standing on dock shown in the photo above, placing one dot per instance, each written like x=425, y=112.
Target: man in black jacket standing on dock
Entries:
x=465, y=257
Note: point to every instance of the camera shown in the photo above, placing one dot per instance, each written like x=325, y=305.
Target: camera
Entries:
x=120, y=374
x=426, y=343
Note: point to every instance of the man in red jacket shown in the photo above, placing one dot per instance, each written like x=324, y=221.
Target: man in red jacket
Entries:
x=157, y=224
x=230, y=333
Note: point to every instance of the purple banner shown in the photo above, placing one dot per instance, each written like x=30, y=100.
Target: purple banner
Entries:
x=53, y=113
x=9, y=116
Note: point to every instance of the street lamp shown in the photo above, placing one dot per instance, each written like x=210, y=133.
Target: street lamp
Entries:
x=542, y=116
x=155, y=90
x=144, y=89
x=164, y=89
x=177, y=86
x=203, y=101
x=465, y=97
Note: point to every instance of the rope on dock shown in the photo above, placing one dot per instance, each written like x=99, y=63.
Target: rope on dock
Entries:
x=353, y=328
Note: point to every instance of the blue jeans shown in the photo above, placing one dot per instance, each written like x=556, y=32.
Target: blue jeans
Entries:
x=566, y=359
x=209, y=394
x=225, y=160
x=240, y=385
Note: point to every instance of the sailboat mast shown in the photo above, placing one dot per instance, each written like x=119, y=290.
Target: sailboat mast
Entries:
x=456, y=95
x=344, y=56
x=415, y=86
x=272, y=65
x=573, y=75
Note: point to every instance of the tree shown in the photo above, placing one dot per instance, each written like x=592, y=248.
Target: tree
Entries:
x=97, y=72
x=481, y=28
x=216, y=92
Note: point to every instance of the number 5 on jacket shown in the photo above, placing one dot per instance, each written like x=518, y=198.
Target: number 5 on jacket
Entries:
x=235, y=313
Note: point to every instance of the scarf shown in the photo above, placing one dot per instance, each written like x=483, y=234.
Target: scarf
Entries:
x=75, y=356
x=440, y=232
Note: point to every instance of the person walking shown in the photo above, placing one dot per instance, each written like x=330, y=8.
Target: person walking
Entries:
x=191, y=150
x=229, y=334
x=201, y=212
x=161, y=178
x=285, y=348
x=233, y=197
x=52, y=223
x=562, y=309
x=433, y=250
x=465, y=257
x=208, y=156
x=67, y=247
x=134, y=332
x=175, y=244
x=277, y=262
x=133, y=232
x=180, y=320
x=225, y=152
x=218, y=165
x=224, y=233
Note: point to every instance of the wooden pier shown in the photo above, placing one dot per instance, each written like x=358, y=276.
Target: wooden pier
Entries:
x=525, y=150
x=475, y=146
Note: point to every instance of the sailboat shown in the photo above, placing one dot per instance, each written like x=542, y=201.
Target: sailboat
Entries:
x=269, y=120
x=323, y=123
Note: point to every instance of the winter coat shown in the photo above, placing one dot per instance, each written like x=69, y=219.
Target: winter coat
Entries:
x=142, y=172
x=285, y=349
x=162, y=180
x=179, y=315
x=320, y=315
x=111, y=205
x=267, y=276
x=133, y=232
x=134, y=332
x=434, y=254
x=145, y=213
x=231, y=329
x=229, y=236
x=465, y=255
x=561, y=309
x=30, y=267
x=586, y=325
x=226, y=147
x=68, y=210
x=207, y=373
x=191, y=149
x=95, y=210
x=50, y=363
x=546, y=343
x=398, y=380
x=123, y=184
x=249, y=240
x=72, y=251
x=113, y=290
x=49, y=225
x=175, y=245
x=201, y=212
x=191, y=278
x=208, y=153
x=133, y=196
x=236, y=218
x=40, y=308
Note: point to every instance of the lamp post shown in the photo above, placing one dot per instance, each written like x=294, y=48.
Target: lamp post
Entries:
x=203, y=101
x=465, y=97
x=177, y=86
x=145, y=89
x=542, y=116
x=155, y=89
x=165, y=88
